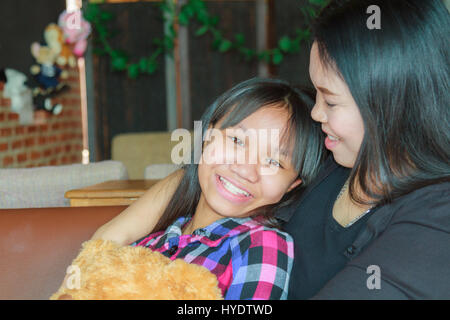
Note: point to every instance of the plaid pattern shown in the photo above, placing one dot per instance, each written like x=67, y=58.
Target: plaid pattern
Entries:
x=251, y=261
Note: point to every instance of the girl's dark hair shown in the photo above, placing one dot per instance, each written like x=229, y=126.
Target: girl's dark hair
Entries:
x=235, y=105
x=399, y=78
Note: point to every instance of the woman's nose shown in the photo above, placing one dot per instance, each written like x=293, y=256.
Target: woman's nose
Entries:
x=318, y=113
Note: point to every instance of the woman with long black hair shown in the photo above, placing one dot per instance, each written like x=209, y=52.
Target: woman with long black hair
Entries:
x=375, y=223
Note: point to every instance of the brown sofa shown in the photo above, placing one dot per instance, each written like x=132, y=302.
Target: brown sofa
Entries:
x=37, y=245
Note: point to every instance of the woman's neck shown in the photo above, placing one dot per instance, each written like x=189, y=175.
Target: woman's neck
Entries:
x=345, y=209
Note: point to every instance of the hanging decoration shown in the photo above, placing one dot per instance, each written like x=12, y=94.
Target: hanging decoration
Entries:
x=76, y=30
x=208, y=24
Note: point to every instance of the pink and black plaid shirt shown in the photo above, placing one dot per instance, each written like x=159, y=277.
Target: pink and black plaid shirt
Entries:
x=250, y=260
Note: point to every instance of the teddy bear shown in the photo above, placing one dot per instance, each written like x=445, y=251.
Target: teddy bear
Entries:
x=106, y=270
x=76, y=30
x=54, y=37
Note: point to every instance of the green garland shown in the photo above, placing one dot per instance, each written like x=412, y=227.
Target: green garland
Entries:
x=193, y=10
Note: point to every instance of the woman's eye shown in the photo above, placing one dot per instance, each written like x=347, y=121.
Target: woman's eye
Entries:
x=330, y=104
x=238, y=141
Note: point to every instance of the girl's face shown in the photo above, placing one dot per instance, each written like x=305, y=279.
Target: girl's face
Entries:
x=337, y=111
x=241, y=170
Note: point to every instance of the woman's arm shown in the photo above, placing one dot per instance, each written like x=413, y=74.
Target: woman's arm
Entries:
x=140, y=217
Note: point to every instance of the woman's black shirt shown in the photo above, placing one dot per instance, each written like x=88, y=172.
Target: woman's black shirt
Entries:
x=407, y=240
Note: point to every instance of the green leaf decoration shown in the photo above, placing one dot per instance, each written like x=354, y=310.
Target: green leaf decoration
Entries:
x=285, y=44
x=183, y=18
x=225, y=45
x=143, y=64
x=119, y=61
x=202, y=31
x=133, y=71
x=152, y=67
x=277, y=57
x=208, y=25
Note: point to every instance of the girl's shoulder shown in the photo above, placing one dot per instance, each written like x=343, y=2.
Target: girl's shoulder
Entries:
x=254, y=233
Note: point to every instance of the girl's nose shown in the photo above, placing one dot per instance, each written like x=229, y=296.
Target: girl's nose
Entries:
x=246, y=171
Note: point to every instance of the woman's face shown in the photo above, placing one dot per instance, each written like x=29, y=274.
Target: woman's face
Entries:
x=337, y=111
x=241, y=170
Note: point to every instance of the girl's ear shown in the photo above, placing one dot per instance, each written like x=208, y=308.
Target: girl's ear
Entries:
x=294, y=184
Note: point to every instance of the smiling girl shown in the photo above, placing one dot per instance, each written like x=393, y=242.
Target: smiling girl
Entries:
x=221, y=215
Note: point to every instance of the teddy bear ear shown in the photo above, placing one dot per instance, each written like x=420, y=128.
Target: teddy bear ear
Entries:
x=35, y=47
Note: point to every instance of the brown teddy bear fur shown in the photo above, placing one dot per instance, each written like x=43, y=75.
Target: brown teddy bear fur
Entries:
x=109, y=271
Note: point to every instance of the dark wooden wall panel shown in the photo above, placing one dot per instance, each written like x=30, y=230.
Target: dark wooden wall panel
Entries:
x=288, y=17
x=123, y=104
x=212, y=72
x=22, y=22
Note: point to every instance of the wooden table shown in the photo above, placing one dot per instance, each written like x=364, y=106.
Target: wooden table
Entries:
x=109, y=193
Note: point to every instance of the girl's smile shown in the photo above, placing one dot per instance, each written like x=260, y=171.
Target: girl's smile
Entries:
x=231, y=191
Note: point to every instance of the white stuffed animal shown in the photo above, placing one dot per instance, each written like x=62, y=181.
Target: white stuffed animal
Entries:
x=21, y=96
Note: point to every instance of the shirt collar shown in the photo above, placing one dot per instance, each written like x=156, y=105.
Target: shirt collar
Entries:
x=215, y=231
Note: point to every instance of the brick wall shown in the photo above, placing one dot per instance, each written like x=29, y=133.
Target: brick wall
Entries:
x=50, y=140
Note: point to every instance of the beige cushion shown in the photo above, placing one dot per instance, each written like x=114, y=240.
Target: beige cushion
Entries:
x=138, y=150
x=160, y=170
x=46, y=186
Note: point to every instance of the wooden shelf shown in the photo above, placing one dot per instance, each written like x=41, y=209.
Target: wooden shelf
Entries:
x=114, y=192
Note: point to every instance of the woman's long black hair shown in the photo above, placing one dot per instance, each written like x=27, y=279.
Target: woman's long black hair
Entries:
x=235, y=105
x=399, y=78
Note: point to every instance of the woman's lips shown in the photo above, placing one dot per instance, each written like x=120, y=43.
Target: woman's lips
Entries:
x=331, y=142
x=227, y=194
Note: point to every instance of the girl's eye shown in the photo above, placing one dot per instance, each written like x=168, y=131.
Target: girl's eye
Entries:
x=273, y=162
x=237, y=141
x=329, y=104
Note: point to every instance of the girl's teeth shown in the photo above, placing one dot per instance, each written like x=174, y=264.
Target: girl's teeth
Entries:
x=232, y=188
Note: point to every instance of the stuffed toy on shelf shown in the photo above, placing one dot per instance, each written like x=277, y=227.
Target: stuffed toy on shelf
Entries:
x=19, y=93
x=47, y=78
x=54, y=37
x=104, y=270
x=45, y=72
